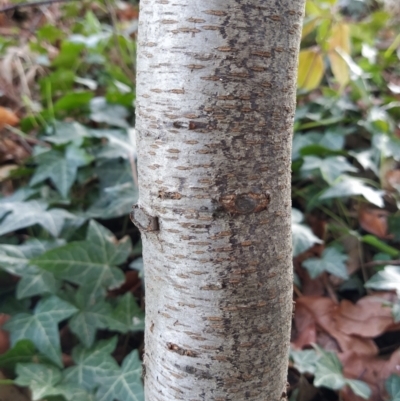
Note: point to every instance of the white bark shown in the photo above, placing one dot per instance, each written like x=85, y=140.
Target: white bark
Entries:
x=216, y=86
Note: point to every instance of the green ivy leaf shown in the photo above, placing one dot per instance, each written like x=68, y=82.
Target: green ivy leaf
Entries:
x=68, y=57
x=15, y=260
x=114, y=202
x=113, y=173
x=41, y=379
x=26, y=214
x=74, y=100
x=41, y=327
x=60, y=168
x=92, y=365
x=119, y=145
x=11, y=305
x=127, y=316
x=394, y=226
x=302, y=236
x=386, y=279
x=393, y=387
x=91, y=263
x=111, y=114
x=350, y=186
x=123, y=383
x=36, y=282
x=117, y=190
x=46, y=381
x=64, y=133
x=331, y=167
x=72, y=392
x=92, y=315
x=332, y=261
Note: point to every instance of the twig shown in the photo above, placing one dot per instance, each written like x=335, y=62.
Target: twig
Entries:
x=382, y=262
x=328, y=287
x=32, y=4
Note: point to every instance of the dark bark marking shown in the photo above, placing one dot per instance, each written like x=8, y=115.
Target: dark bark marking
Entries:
x=181, y=351
x=218, y=13
x=169, y=195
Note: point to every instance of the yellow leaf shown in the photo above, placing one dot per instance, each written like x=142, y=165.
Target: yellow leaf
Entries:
x=340, y=37
x=313, y=9
x=339, y=40
x=309, y=25
x=311, y=69
x=340, y=69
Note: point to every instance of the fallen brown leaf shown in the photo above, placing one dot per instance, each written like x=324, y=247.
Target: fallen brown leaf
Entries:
x=393, y=180
x=368, y=318
x=7, y=117
x=374, y=221
x=4, y=336
x=132, y=280
x=325, y=314
x=9, y=392
x=373, y=370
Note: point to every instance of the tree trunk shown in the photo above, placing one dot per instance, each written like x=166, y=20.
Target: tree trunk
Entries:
x=216, y=84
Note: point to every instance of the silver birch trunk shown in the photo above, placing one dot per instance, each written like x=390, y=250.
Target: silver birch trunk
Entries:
x=216, y=84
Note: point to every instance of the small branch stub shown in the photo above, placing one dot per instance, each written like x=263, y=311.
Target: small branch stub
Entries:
x=244, y=203
x=142, y=220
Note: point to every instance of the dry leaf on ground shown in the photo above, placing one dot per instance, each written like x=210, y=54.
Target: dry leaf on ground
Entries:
x=373, y=370
x=7, y=117
x=374, y=221
x=370, y=317
x=326, y=314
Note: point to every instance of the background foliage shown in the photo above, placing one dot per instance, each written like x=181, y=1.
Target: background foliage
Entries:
x=71, y=294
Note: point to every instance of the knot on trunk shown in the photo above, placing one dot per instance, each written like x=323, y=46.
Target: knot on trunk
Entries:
x=143, y=220
x=244, y=203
